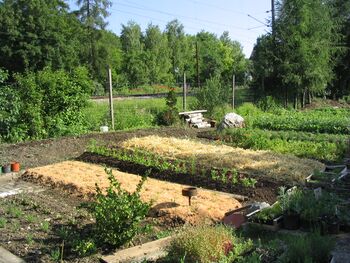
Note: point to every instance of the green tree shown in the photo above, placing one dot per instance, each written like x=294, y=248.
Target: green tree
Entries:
x=305, y=34
x=109, y=53
x=263, y=67
x=210, y=56
x=233, y=59
x=92, y=14
x=158, y=61
x=38, y=33
x=341, y=83
x=181, y=53
x=134, y=62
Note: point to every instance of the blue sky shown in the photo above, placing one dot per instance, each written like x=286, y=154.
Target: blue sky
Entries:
x=196, y=15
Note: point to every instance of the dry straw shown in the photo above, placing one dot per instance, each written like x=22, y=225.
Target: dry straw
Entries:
x=256, y=163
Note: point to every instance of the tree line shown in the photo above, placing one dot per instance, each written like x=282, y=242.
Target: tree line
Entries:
x=45, y=33
x=307, y=54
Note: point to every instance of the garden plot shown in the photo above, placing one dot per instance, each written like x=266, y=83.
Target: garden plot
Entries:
x=285, y=168
x=80, y=178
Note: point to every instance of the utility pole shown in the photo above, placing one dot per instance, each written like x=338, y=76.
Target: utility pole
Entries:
x=273, y=16
x=197, y=62
x=233, y=91
x=111, y=111
x=184, y=93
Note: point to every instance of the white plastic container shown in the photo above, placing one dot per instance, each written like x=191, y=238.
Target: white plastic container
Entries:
x=104, y=129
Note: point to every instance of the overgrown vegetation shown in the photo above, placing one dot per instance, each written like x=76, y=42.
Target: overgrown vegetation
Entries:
x=43, y=104
x=207, y=244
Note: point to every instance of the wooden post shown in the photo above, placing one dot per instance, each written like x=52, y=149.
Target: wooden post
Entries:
x=197, y=62
x=184, y=93
x=111, y=111
x=233, y=91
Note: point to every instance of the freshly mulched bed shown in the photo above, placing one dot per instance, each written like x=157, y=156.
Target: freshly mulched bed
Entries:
x=265, y=190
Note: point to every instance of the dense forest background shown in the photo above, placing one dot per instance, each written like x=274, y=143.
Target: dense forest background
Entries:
x=52, y=59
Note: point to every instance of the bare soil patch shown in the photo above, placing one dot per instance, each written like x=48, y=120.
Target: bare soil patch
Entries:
x=166, y=197
x=43, y=152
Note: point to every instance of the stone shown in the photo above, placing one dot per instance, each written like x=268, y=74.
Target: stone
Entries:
x=231, y=120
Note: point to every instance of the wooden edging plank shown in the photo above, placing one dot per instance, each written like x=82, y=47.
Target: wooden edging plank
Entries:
x=8, y=257
x=148, y=251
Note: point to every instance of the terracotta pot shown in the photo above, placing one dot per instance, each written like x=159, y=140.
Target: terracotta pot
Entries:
x=6, y=168
x=15, y=167
x=291, y=221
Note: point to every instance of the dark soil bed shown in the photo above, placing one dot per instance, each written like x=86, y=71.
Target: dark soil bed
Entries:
x=265, y=190
x=44, y=152
x=36, y=226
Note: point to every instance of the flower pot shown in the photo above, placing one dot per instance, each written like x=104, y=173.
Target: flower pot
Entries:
x=15, y=167
x=6, y=168
x=291, y=221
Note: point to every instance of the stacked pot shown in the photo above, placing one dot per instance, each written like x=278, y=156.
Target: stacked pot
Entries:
x=10, y=167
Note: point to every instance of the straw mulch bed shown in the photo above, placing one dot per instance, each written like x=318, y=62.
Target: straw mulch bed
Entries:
x=80, y=178
x=256, y=163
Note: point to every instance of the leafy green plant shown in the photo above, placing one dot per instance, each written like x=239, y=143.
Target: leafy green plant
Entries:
x=30, y=239
x=248, y=182
x=269, y=213
x=119, y=213
x=45, y=226
x=291, y=200
x=14, y=211
x=55, y=254
x=85, y=247
x=3, y=222
x=30, y=218
x=64, y=232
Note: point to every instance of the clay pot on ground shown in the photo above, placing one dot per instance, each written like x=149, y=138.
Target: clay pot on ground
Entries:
x=15, y=167
x=6, y=168
x=291, y=221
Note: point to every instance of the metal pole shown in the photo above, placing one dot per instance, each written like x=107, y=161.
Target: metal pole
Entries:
x=184, y=93
x=111, y=111
x=273, y=16
x=233, y=91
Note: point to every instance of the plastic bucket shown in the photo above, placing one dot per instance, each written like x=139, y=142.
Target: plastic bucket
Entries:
x=15, y=167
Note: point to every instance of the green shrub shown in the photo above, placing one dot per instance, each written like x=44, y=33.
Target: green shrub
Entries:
x=210, y=95
x=119, y=213
x=170, y=115
x=44, y=104
x=206, y=244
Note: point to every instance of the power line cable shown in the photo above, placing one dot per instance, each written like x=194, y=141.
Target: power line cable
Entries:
x=191, y=27
x=182, y=16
